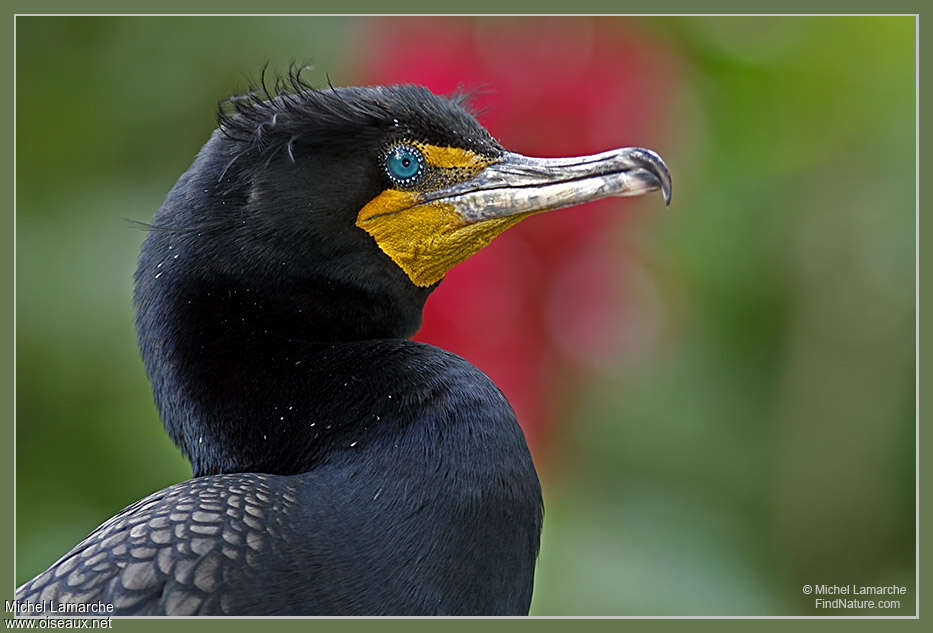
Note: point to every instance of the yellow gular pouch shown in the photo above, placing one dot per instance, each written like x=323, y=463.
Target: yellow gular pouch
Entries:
x=426, y=238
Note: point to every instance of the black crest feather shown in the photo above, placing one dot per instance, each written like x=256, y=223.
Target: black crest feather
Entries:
x=280, y=114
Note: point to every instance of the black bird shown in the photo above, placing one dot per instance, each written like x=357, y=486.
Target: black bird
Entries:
x=339, y=468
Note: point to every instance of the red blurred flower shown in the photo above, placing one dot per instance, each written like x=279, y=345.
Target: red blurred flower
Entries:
x=546, y=87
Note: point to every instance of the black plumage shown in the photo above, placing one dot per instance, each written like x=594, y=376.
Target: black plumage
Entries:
x=339, y=467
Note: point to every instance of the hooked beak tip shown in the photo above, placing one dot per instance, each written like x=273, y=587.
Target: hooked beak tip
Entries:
x=651, y=163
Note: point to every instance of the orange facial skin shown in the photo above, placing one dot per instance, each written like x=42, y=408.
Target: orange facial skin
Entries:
x=428, y=238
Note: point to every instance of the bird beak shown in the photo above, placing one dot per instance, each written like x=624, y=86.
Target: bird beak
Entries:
x=519, y=185
x=428, y=233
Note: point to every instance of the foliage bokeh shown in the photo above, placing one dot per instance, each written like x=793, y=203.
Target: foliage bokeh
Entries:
x=720, y=396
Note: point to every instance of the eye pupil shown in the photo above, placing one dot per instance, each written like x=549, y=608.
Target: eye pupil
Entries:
x=403, y=164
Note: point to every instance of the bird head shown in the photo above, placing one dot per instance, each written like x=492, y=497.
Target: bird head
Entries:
x=381, y=188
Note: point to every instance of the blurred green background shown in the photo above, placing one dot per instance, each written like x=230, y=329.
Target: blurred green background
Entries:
x=759, y=437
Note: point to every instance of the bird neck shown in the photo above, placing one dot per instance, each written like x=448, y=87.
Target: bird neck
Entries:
x=274, y=379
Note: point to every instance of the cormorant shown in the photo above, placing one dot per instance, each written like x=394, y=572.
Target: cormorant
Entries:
x=339, y=468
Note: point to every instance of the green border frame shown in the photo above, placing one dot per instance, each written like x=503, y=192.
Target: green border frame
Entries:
x=292, y=6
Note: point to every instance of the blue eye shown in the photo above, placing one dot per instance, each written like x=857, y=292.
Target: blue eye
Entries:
x=404, y=164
